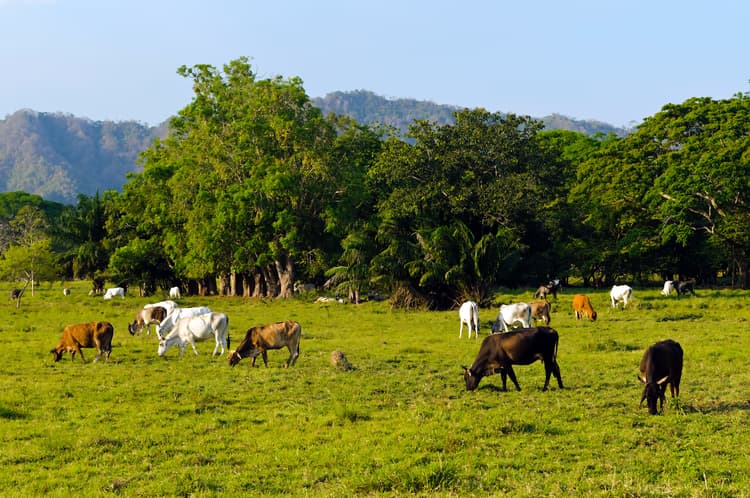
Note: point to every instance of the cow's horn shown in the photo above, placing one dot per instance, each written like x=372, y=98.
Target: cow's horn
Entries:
x=641, y=378
x=663, y=380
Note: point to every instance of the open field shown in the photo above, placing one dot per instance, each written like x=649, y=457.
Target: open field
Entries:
x=400, y=423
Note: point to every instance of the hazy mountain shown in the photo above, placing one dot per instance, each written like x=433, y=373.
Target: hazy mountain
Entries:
x=368, y=108
x=58, y=156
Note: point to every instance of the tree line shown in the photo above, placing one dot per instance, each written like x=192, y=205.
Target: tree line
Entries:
x=255, y=189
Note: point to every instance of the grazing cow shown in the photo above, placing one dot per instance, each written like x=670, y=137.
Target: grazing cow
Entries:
x=114, y=291
x=582, y=307
x=661, y=365
x=258, y=340
x=85, y=335
x=468, y=314
x=685, y=287
x=510, y=314
x=499, y=352
x=97, y=286
x=66, y=291
x=326, y=299
x=176, y=314
x=620, y=293
x=15, y=293
x=668, y=287
x=540, y=310
x=192, y=329
x=551, y=287
x=152, y=315
x=174, y=293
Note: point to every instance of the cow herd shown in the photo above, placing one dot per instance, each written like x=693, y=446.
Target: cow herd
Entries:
x=180, y=327
x=660, y=366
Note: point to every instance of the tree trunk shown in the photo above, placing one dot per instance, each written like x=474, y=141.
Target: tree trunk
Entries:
x=225, y=285
x=285, y=271
x=258, y=284
x=272, y=285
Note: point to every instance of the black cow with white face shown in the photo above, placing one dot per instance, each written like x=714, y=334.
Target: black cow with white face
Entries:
x=499, y=352
x=661, y=365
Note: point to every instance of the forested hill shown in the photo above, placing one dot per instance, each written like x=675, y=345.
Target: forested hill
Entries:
x=59, y=156
x=368, y=108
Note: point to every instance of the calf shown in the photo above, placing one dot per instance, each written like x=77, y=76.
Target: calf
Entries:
x=468, y=314
x=661, y=365
x=510, y=314
x=258, y=340
x=582, y=307
x=149, y=315
x=85, y=335
x=540, y=310
x=499, y=352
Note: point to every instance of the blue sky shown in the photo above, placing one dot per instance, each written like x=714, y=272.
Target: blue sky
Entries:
x=614, y=61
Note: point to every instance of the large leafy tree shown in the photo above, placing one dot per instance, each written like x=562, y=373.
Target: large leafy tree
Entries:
x=459, y=207
x=246, y=177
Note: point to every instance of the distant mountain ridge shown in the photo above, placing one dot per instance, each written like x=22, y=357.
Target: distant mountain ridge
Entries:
x=59, y=156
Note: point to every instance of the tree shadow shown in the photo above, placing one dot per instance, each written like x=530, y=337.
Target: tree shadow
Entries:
x=715, y=407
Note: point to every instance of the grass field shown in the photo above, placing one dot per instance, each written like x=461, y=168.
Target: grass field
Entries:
x=400, y=423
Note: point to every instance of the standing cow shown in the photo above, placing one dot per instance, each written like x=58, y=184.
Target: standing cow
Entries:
x=468, y=314
x=258, y=340
x=85, y=335
x=510, y=314
x=540, y=310
x=620, y=294
x=661, y=365
x=499, y=352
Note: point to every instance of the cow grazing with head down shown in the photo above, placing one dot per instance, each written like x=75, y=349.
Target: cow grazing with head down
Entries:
x=499, y=352
x=685, y=287
x=152, y=315
x=468, y=314
x=582, y=307
x=620, y=294
x=192, y=329
x=85, y=335
x=540, y=310
x=258, y=340
x=661, y=365
x=113, y=292
x=510, y=314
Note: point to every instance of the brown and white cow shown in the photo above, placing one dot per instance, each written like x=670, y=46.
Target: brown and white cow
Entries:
x=258, y=340
x=661, y=365
x=582, y=307
x=85, y=335
x=499, y=352
x=540, y=310
x=151, y=315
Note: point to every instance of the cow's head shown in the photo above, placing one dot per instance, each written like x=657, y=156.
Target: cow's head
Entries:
x=234, y=358
x=57, y=354
x=471, y=379
x=132, y=327
x=653, y=392
x=593, y=316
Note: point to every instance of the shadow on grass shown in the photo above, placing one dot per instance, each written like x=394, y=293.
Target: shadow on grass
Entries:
x=715, y=407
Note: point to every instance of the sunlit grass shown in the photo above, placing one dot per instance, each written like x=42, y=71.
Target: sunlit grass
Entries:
x=399, y=423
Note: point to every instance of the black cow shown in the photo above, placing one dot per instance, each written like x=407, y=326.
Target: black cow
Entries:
x=684, y=287
x=499, y=352
x=661, y=365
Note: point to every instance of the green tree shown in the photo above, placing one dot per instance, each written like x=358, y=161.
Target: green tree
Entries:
x=28, y=263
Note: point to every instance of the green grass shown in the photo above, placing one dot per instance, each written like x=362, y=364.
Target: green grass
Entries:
x=400, y=423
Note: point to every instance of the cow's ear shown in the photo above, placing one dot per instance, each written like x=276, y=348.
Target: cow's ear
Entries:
x=642, y=379
x=663, y=380
x=466, y=370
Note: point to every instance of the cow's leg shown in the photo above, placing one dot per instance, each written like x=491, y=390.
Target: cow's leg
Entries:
x=504, y=377
x=556, y=372
x=254, y=358
x=265, y=358
x=195, y=350
x=461, y=330
x=512, y=376
x=80, y=353
x=293, y=354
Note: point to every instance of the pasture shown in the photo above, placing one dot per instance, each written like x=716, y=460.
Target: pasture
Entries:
x=400, y=423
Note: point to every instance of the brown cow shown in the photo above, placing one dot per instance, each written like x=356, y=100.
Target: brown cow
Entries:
x=582, y=307
x=540, y=311
x=258, y=340
x=85, y=335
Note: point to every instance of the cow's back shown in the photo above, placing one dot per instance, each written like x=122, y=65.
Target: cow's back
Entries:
x=276, y=335
x=662, y=359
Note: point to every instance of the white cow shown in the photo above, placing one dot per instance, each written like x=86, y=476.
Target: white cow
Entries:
x=190, y=330
x=512, y=313
x=114, y=291
x=174, y=293
x=668, y=288
x=178, y=313
x=620, y=293
x=468, y=313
